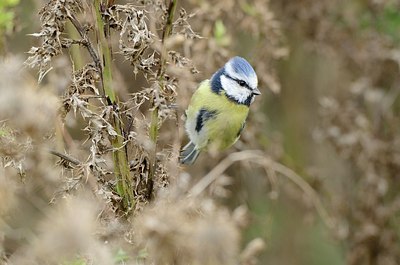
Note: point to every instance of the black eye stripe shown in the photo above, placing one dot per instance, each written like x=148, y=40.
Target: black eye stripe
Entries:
x=240, y=82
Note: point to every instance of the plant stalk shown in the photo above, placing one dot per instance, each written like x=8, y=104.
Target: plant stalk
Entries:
x=120, y=157
x=154, y=125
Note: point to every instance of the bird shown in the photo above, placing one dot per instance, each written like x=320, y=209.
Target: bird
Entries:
x=218, y=109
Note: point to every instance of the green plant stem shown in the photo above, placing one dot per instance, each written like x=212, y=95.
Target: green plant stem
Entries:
x=154, y=115
x=166, y=34
x=120, y=157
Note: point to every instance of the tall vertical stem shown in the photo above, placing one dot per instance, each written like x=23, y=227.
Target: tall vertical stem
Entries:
x=120, y=157
x=154, y=116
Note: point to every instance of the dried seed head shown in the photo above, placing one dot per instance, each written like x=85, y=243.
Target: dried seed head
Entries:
x=67, y=233
x=188, y=231
x=53, y=17
x=135, y=37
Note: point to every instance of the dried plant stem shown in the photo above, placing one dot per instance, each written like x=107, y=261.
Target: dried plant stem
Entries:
x=268, y=164
x=86, y=41
x=166, y=34
x=153, y=131
x=68, y=158
x=120, y=157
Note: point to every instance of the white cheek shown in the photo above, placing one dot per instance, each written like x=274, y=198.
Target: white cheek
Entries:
x=233, y=89
x=252, y=80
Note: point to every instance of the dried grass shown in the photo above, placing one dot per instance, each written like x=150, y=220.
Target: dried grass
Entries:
x=90, y=174
x=126, y=165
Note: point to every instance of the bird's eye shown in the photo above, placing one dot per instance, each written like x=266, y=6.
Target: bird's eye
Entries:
x=242, y=83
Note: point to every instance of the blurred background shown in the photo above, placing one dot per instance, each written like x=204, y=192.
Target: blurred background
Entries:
x=329, y=111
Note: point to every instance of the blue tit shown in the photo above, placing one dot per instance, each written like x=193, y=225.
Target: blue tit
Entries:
x=218, y=109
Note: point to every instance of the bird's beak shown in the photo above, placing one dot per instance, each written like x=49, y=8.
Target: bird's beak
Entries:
x=256, y=91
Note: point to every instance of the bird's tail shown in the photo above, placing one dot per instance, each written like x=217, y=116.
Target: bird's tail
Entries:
x=189, y=154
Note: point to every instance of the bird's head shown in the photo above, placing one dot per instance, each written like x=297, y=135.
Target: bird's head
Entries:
x=238, y=79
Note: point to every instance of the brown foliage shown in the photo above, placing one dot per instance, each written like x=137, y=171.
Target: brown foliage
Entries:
x=60, y=192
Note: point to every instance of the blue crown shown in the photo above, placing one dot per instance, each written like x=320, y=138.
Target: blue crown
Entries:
x=241, y=66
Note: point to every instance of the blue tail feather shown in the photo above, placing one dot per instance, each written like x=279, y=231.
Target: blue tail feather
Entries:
x=189, y=154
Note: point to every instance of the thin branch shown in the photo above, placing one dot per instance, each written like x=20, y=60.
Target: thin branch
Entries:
x=153, y=130
x=166, y=33
x=86, y=42
x=120, y=156
x=268, y=164
x=68, y=158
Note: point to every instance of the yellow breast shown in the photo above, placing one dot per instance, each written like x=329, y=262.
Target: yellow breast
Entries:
x=223, y=129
